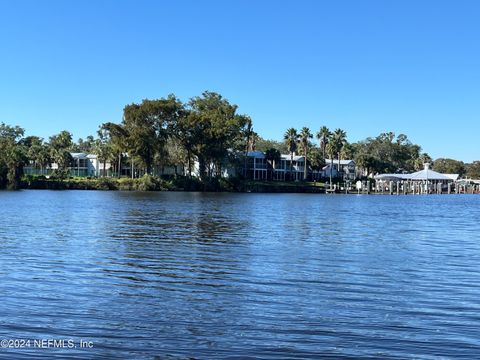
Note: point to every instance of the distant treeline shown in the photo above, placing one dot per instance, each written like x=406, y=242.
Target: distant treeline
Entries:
x=207, y=129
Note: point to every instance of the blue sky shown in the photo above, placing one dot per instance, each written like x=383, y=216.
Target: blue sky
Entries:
x=368, y=67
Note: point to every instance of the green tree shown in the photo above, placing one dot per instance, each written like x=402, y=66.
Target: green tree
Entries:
x=148, y=126
x=304, y=138
x=187, y=132
x=473, y=170
x=60, y=146
x=423, y=159
x=331, y=149
x=291, y=138
x=385, y=154
x=211, y=128
x=339, y=139
x=117, y=137
x=449, y=166
x=323, y=136
x=38, y=153
x=273, y=156
x=248, y=134
x=316, y=159
x=263, y=145
x=84, y=146
x=348, y=151
x=103, y=148
x=43, y=157
x=175, y=154
x=13, y=155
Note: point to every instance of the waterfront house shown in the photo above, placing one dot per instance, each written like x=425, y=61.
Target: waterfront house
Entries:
x=284, y=169
x=259, y=168
x=346, y=171
x=88, y=165
x=230, y=167
x=82, y=165
x=256, y=166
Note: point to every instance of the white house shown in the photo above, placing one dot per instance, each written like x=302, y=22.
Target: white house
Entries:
x=258, y=167
x=88, y=165
x=346, y=171
x=282, y=170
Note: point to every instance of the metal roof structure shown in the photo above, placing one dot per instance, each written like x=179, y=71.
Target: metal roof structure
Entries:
x=425, y=174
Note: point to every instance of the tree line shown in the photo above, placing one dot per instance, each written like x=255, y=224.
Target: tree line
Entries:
x=153, y=133
x=207, y=129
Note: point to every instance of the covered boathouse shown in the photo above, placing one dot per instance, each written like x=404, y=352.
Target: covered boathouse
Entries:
x=425, y=181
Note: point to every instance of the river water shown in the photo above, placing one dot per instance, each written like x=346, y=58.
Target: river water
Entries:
x=214, y=276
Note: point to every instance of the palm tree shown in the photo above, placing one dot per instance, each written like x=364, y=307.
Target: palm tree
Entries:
x=348, y=151
x=331, y=149
x=248, y=133
x=339, y=139
x=291, y=139
x=273, y=155
x=422, y=160
x=103, y=148
x=323, y=136
x=315, y=159
x=43, y=157
x=117, y=135
x=305, y=136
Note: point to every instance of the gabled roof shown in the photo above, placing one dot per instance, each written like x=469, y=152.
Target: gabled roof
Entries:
x=342, y=162
x=453, y=177
x=295, y=157
x=391, y=176
x=425, y=174
x=78, y=155
x=256, y=154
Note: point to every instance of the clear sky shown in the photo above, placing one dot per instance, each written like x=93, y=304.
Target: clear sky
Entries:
x=368, y=66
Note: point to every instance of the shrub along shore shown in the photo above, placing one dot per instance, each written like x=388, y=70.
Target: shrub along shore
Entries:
x=180, y=183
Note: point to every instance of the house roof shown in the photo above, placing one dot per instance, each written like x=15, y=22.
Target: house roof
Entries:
x=342, y=162
x=79, y=155
x=295, y=157
x=391, y=176
x=256, y=154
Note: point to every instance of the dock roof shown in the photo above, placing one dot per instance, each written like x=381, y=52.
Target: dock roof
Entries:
x=425, y=174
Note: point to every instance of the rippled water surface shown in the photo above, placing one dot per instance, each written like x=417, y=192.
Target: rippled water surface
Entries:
x=272, y=276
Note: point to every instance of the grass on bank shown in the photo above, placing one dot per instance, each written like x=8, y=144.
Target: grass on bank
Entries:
x=287, y=183
x=155, y=183
x=144, y=183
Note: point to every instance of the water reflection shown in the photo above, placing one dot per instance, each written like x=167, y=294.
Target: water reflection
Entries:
x=218, y=275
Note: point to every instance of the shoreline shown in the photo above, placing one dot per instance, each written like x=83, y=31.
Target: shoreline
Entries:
x=180, y=184
x=155, y=184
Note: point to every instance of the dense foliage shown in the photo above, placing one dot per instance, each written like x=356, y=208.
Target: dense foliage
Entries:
x=13, y=155
x=388, y=154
